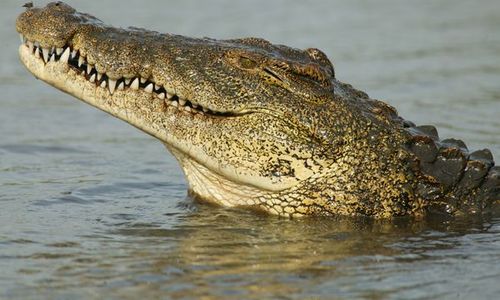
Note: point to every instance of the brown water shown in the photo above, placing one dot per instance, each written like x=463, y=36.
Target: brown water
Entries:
x=92, y=208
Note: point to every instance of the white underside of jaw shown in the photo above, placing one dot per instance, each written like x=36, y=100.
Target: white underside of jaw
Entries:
x=212, y=187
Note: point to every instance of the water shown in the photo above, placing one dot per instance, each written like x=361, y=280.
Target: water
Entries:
x=92, y=208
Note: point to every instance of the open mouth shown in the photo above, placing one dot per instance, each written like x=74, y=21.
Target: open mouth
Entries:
x=78, y=63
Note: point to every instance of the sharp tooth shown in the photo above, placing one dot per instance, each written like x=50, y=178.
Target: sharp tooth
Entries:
x=89, y=68
x=156, y=87
x=81, y=60
x=161, y=96
x=30, y=46
x=53, y=57
x=205, y=109
x=37, y=52
x=143, y=80
x=170, y=96
x=103, y=84
x=121, y=86
x=99, y=76
x=52, y=50
x=112, y=85
x=45, y=53
x=92, y=78
x=149, y=88
x=187, y=108
x=37, y=44
x=65, y=55
x=135, y=84
x=127, y=81
x=174, y=103
x=73, y=53
x=59, y=51
x=83, y=73
x=182, y=102
x=22, y=38
x=194, y=105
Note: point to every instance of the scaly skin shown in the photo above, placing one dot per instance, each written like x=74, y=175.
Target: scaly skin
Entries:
x=258, y=125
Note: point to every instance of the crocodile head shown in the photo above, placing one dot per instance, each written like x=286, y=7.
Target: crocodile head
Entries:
x=238, y=114
x=251, y=123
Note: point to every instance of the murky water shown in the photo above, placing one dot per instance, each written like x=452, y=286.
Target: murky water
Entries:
x=92, y=208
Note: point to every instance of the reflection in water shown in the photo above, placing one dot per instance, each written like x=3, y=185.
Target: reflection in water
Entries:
x=229, y=253
x=259, y=256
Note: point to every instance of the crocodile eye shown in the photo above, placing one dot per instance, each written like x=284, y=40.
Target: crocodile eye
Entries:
x=247, y=63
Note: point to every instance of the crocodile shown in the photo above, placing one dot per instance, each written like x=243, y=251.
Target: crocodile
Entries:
x=259, y=125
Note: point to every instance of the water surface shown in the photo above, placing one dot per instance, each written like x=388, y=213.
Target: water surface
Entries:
x=92, y=208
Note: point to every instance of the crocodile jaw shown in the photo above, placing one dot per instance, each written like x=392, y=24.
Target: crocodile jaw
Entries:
x=207, y=180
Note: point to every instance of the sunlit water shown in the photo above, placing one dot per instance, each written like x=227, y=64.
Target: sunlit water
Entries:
x=92, y=208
